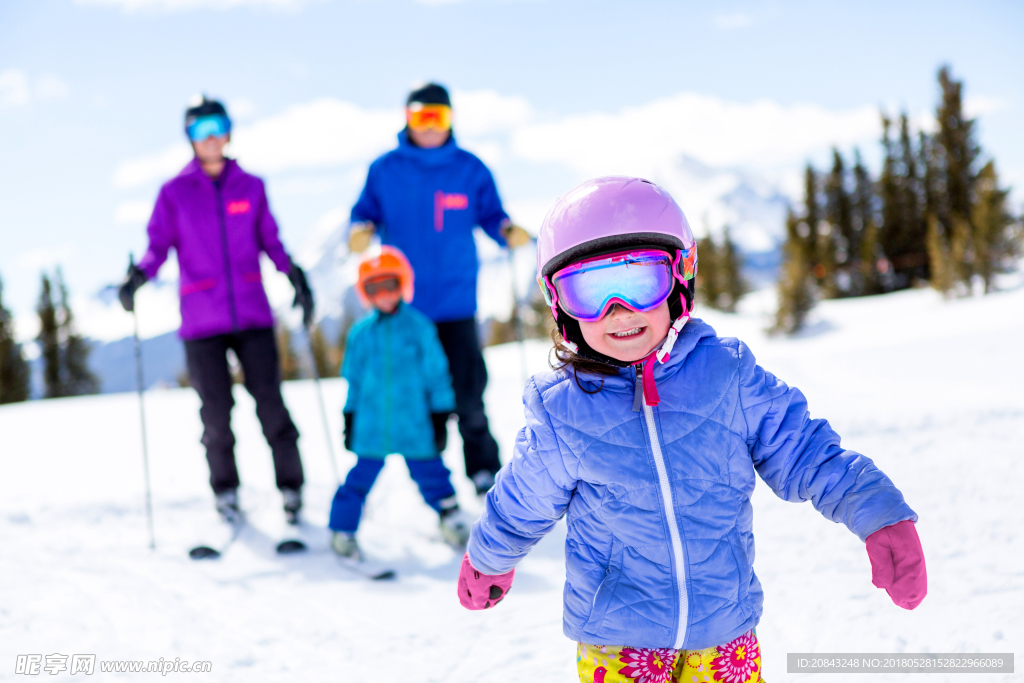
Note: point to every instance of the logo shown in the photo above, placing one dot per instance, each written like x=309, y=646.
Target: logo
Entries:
x=238, y=206
x=455, y=201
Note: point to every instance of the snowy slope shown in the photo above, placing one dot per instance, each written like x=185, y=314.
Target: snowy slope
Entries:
x=929, y=389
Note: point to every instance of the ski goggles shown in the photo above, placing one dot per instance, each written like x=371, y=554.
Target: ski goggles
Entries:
x=386, y=284
x=208, y=126
x=422, y=116
x=640, y=280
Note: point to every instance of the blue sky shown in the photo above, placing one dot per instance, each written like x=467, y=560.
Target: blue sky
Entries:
x=92, y=93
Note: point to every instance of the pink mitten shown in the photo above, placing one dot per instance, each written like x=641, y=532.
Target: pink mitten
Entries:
x=482, y=591
x=897, y=563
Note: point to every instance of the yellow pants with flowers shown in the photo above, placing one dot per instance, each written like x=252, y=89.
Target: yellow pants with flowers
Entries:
x=738, y=661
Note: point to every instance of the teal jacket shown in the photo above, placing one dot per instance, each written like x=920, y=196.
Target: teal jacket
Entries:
x=397, y=376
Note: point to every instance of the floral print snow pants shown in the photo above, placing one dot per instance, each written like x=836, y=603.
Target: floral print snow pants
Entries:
x=738, y=661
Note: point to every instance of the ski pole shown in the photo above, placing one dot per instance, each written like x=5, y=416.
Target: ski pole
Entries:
x=517, y=320
x=320, y=398
x=142, y=416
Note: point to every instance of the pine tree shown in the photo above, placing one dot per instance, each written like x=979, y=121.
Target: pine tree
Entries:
x=914, y=259
x=75, y=374
x=708, y=276
x=957, y=152
x=845, y=242
x=821, y=238
x=733, y=286
x=943, y=273
x=720, y=282
x=891, y=228
x=49, y=341
x=995, y=245
x=796, y=285
x=865, y=228
x=288, y=360
x=327, y=357
x=14, y=370
x=903, y=232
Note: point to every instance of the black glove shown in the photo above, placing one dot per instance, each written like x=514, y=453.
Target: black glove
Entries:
x=349, y=417
x=440, y=421
x=135, y=279
x=303, y=294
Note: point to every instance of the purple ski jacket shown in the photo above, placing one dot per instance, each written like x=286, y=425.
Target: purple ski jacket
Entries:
x=218, y=230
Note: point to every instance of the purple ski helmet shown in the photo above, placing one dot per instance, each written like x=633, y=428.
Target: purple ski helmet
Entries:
x=609, y=214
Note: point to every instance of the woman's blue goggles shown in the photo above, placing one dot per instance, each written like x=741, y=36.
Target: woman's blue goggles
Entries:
x=208, y=126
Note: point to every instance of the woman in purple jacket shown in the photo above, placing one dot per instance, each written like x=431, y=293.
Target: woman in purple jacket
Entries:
x=216, y=217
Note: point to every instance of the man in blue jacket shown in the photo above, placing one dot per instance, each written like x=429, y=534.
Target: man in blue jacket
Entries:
x=425, y=197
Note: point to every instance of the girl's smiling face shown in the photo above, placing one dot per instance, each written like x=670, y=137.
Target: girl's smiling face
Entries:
x=626, y=335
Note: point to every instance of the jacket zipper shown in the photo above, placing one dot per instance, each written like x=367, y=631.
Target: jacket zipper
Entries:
x=227, y=257
x=670, y=515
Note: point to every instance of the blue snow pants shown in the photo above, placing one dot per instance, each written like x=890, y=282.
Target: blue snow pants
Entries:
x=430, y=475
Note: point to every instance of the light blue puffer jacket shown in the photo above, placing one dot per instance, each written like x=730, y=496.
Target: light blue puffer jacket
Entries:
x=659, y=550
x=397, y=376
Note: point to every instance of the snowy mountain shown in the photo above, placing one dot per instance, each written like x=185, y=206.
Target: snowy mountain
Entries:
x=79, y=578
x=712, y=198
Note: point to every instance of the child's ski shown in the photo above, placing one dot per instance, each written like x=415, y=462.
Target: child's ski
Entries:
x=290, y=546
x=373, y=574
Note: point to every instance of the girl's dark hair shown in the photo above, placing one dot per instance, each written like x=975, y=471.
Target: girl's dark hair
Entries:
x=567, y=360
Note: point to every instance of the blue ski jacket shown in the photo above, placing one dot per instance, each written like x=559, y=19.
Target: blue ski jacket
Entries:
x=397, y=376
x=426, y=202
x=659, y=550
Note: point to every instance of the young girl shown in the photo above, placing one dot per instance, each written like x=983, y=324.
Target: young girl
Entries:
x=646, y=437
x=399, y=400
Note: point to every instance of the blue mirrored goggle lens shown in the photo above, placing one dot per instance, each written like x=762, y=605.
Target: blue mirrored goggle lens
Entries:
x=641, y=281
x=208, y=126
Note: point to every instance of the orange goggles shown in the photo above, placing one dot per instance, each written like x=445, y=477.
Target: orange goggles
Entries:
x=423, y=116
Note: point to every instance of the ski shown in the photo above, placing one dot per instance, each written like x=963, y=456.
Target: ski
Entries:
x=356, y=567
x=205, y=552
x=290, y=546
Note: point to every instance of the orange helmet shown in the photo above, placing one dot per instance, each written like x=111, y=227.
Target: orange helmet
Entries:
x=387, y=261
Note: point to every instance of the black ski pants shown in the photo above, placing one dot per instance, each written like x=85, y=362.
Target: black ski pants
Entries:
x=208, y=371
x=469, y=379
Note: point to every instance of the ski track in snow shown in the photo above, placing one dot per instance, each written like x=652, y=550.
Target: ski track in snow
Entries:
x=931, y=390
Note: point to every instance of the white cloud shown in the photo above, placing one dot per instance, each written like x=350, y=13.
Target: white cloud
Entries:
x=45, y=258
x=17, y=89
x=979, y=105
x=324, y=132
x=642, y=140
x=162, y=165
x=647, y=140
x=480, y=112
x=331, y=132
x=14, y=89
x=733, y=20
x=242, y=109
x=185, y=5
x=133, y=212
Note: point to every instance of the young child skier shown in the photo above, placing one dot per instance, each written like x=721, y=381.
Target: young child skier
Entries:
x=646, y=437
x=399, y=400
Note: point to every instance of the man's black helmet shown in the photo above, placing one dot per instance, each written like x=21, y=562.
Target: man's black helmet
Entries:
x=431, y=93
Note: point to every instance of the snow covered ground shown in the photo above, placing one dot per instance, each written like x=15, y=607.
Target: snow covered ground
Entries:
x=932, y=390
